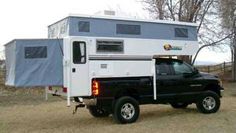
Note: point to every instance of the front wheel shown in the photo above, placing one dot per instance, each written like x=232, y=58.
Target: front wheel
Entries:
x=126, y=110
x=98, y=112
x=208, y=103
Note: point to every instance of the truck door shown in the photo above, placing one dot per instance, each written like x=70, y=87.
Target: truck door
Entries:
x=188, y=82
x=165, y=83
x=79, y=77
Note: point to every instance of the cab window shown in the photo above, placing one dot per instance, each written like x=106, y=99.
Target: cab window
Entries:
x=181, y=68
x=163, y=68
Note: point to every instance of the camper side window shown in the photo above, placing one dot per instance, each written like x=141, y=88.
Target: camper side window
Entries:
x=79, y=52
x=181, y=32
x=84, y=26
x=110, y=46
x=128, y=29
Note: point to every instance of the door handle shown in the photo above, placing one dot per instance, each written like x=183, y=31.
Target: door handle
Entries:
x=73, y=70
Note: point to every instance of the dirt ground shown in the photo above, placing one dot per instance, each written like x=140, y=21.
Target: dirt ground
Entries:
x=26, y=111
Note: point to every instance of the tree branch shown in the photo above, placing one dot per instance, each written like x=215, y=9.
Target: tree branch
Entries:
x=211, y=44
x=170, y=8
x=204, y=14
x=180, y=10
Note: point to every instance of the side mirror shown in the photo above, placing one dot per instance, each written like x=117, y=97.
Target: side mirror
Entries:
x=195, y=70
x=186, y=75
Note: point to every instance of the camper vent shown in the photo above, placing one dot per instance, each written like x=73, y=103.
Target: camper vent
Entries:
x=108, y=12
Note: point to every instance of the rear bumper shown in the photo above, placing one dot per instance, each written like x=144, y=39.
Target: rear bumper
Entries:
x=103, y=102
x=90, y=102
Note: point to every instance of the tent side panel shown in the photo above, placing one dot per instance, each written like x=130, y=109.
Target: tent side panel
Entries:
x=10, y=63
x=39, y=62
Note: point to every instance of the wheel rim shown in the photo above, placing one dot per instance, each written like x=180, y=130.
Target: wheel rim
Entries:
x=100, y=111
x=209, y=103
x=127, y=111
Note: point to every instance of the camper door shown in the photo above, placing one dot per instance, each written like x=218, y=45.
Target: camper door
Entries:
x=79, y=77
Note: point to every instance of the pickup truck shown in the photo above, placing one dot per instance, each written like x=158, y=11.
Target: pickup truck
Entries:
x=177, y=83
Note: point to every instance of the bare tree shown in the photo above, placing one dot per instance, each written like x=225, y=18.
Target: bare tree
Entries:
x=179, y=10
x=227, y=11
x=187, y=11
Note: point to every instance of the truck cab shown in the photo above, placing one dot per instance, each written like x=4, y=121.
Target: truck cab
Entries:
x=179, y=78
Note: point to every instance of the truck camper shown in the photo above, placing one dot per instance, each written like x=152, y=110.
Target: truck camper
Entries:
x=112, y=65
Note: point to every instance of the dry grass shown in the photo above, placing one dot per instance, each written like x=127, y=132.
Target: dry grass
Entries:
x=53, y=116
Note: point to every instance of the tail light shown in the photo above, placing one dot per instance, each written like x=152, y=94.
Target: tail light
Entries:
x=95, y=88
x=64, y=89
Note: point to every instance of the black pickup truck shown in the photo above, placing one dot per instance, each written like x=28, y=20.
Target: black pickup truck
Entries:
x=177, y=83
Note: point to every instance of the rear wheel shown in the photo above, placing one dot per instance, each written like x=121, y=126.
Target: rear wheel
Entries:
x=98, y=112
x=208, y=103
x=126, y=110
x=179, y=105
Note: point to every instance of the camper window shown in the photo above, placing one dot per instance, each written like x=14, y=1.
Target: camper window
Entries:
x=110, y=46
x=35, y=52
x=181, y=32
x=84, y=26
x=128, y=29
x=79, y=52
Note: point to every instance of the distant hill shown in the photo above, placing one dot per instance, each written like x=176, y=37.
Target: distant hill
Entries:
x=198, y=63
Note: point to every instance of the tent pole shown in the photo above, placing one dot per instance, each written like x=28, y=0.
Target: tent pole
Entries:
x=46, y=93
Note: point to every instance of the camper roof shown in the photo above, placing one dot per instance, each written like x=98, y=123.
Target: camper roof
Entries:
x=109, y=17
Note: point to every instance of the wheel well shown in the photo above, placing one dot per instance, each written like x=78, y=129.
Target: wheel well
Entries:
x=125, y=92
x=128, y=92
x=214, y=88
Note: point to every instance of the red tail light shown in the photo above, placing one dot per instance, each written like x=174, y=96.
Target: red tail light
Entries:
x=95, y=88
x=64, y=89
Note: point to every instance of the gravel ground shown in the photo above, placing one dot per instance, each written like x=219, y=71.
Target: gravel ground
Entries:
x=22, y=115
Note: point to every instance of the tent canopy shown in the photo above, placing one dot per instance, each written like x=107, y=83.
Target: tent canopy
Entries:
x=34, y=62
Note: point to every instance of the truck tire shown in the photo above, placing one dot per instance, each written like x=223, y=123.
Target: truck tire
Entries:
x=98, y=112
x=209, y=102
x=126, y=110
x=179, y=105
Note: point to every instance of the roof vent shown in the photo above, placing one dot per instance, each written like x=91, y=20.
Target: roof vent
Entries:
x=106, y=13
x=109, y=12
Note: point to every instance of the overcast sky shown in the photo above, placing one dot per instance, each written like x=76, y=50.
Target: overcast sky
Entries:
x=30, y=18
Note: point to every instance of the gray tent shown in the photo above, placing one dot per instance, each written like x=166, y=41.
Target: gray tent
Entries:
x=34, y=62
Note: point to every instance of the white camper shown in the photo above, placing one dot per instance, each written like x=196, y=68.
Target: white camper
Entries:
x=95, y=46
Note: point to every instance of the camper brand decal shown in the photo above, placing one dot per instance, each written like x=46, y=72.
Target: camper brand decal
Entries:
x=168, y=47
